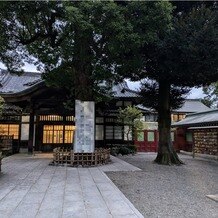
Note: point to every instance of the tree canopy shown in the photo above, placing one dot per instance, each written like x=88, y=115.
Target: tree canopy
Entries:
x=78, y=45
x=87, y=44
x=149, y=90
x=185, y=56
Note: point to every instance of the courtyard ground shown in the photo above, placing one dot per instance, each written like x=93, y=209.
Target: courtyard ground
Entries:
x=30, y=187
x=170, y=191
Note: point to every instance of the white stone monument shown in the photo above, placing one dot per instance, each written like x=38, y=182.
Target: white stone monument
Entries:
x=85, y=126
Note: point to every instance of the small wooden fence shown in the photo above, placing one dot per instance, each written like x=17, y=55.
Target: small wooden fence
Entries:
x=69, y=157
x=6, y=143
x=0, y=160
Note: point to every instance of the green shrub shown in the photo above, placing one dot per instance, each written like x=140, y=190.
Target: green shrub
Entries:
x=124, y=151
x=114, y=151
x=133, y=148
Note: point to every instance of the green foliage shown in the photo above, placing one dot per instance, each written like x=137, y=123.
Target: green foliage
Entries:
x=187, y=54
x=149, y=90
x=133, y=148
x=1, y=105
x=150, y=21
x=123, y=150
x=114, y=151
x=130, y=116
x=211, y=98
x=81, y=44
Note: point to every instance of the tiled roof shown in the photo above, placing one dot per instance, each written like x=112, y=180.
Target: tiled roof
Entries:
x=13, y=83
x=189, y=106
x=195, y=119
x=145, y=109
x=192, y=105
x=122, y=91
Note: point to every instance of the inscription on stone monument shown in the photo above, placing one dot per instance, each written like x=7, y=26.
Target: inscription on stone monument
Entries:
x=85, y=126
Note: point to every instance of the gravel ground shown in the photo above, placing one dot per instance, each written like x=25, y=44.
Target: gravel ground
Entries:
x=170, y=191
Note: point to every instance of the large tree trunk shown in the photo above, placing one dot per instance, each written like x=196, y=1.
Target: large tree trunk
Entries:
x=166, y=153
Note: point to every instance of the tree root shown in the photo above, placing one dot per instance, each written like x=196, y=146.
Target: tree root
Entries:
x=168, y=158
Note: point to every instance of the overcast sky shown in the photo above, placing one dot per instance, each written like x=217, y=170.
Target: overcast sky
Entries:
x=195, y=93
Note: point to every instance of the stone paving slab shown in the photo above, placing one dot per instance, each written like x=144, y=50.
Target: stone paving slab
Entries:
x=29, y=187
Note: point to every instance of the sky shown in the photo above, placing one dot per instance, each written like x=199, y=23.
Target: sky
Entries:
x=195, y=93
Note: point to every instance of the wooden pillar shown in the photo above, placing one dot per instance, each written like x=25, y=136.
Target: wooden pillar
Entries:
x=31, y=130
x=36, y=144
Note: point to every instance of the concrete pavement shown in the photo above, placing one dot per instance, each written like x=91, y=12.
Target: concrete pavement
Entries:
x=29, y=187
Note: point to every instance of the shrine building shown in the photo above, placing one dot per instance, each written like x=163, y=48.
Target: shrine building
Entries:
x=40, y=121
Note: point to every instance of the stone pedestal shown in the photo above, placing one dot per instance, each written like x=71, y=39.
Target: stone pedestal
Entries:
x=85, y=126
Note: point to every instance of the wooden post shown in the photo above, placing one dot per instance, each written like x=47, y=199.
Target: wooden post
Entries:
x=31, y=130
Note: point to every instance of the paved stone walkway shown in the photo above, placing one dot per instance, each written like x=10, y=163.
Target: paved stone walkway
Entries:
x=29, y=187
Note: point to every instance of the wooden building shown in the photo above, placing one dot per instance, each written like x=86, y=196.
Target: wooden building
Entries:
x=41, y=122
x=44, y=123
x=147, y=140
x=198, y=132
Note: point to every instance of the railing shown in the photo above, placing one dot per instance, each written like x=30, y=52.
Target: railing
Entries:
x=66, y=156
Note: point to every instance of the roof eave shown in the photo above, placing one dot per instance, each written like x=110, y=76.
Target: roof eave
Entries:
x=24, y=92
x=194, y=124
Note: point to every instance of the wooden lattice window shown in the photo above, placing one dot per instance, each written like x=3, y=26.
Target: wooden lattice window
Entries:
x=69, y=118
x=50, y=118
x=58, y=134
x=114, y=132
x=69, y=133
x=10, y=129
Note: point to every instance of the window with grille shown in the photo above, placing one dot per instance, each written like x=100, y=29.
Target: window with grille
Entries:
x=99, y=132
x=140, y=136
x=69, y=118
x=109, y=120
x=114, y=132
x=189, y=137
x=69, y=134
x=58, y=134
x=10, y=129
x=109, y=134
x=150, y=136
x=99, y=120
x=118, y=133
x=50, y=118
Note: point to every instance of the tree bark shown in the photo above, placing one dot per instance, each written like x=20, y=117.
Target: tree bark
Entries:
x=166, y=153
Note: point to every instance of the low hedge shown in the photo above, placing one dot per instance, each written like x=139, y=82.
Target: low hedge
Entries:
x=123, y=150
